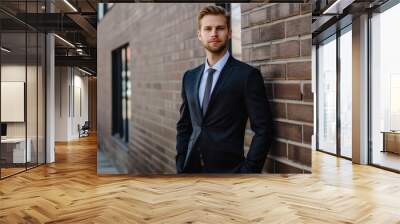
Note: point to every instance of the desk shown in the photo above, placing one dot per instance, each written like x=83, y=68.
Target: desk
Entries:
x=391, y=141
x=16, y=147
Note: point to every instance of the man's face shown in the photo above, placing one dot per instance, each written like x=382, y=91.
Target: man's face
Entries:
x=214, y=33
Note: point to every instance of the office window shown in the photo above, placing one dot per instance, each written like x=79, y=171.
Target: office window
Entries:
x=327, y=95
x=346, y=92
x=385, y=88
x=121, y=92
x=334, y=95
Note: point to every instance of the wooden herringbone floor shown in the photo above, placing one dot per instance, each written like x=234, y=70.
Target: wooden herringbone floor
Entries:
x=70, y=191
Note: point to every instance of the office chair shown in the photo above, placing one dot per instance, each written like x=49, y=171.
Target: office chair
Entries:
x=84, y=130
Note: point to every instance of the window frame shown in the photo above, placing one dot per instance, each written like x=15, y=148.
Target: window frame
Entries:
x=337, y=34
x=119, y=72
x=380, y=9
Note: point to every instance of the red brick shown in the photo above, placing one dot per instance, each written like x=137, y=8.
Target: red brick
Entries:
x=245, y=21
x=284, y=10
x=299, y=70
x=246, y=54
x=300, y=112
x=255, y=35
x=299, y=154
x=306, y=8
x=279, y=149
x=250, y=36
x=273, y=71
x=246, y=37
x=305, y=47
x=307, y=94
x=289, y=91
x=272, y=32
x=289, y=49
x=244, y=7
x=307, y=133
x=279, y=110
x=299, y=26
x=261, y=53
x=288, y=131
x=258, y=17
x=286, y=168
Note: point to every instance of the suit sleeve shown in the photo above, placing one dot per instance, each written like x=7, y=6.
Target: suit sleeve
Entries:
x=183, y=129
x=260, y=116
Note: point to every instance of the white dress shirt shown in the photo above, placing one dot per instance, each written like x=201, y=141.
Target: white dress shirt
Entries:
x=218, y=67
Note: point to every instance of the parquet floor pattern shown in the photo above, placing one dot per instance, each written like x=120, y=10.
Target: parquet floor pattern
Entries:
x=70, y=191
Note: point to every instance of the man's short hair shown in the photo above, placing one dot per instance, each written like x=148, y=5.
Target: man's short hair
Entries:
x=214, y=10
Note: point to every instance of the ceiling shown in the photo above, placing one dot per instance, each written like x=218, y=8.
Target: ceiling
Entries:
x=326, y=21
x=74, y=22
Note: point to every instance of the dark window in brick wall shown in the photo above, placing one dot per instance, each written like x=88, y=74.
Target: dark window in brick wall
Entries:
x=121, y=92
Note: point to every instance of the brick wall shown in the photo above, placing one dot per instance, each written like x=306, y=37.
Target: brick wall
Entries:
x=164, y=44
x=276, y=38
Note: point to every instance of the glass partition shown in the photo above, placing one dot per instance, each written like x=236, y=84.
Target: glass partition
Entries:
x=22, y=88
x=41, y=111
x=334, y=95
x=14, y=152
x=31, y=97
x=327, y=95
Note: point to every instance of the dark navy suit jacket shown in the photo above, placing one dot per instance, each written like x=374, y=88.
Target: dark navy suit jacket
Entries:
x=238, y=95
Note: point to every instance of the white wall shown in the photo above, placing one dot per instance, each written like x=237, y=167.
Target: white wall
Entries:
x=16, y=73
x=12, y=73
x=79, y=108
x=12, y=100
x=32, y=105
x=62, y=81
x=50, y=92
x=71, y=93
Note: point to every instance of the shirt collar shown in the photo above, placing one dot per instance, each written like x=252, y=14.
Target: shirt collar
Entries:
x=220, y=63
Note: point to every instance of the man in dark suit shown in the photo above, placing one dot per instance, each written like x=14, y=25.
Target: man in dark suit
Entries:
x=219, y=97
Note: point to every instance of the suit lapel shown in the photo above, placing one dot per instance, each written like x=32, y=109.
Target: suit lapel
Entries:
x=220, y=82
x=196, y=92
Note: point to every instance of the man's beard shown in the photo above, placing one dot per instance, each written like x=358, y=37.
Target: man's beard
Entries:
x=218, y=50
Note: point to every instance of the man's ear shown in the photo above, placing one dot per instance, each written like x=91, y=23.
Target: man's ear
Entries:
x=230, y=33
x=198, y=34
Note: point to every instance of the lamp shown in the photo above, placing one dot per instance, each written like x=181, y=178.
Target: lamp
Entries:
x=70, y=5
x=5, y=50
x=64, y=40
x=337, y=7
x=84, y=71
